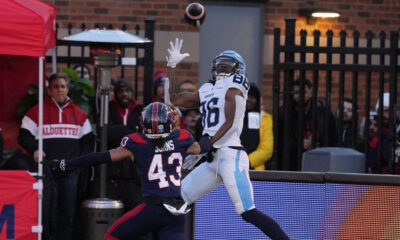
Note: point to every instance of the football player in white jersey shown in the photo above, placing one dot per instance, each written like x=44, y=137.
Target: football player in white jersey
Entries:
x=222, y=103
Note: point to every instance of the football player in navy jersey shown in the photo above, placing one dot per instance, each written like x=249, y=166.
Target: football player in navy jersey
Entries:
x=158, y=154
x=222, y=103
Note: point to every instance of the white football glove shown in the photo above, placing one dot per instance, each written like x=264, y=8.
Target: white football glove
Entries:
x=191, y=160
x=175, y=55
x=182, y=210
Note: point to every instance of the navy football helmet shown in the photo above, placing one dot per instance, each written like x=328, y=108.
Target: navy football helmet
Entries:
x=227, y=63
x=157, y=119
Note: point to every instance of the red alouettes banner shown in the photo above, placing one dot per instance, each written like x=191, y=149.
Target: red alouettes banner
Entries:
x=18, y=206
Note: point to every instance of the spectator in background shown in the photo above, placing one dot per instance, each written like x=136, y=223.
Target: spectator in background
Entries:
x=190, y=118
x=187, y=86
x=385, y=111
x=257, y=136
x=123, y=182
x=374, y=166
x=386, y=129
x=67, y=133
x=293, y=128
x=158, y=85
x=160, y=77
x=347, y=135
x=85, y=178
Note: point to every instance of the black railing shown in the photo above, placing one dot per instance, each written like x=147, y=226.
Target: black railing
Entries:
x=324, y=72
x=147, y=61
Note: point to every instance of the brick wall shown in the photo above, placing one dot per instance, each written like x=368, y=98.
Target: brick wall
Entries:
x=168, y=14
x=361, y=15
x=364, y=15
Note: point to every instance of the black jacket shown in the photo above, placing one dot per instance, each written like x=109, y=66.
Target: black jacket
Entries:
x=116, y=131
x=294, y=139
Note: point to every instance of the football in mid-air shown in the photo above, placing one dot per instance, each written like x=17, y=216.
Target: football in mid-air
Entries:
x=195, y=14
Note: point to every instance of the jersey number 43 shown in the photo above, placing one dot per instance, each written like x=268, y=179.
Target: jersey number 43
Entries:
x=157, y=170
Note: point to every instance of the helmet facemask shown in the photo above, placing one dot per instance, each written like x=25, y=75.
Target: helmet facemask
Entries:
x=224, y=67
x=226, y=64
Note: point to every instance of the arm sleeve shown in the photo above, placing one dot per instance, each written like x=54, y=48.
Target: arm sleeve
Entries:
x=115, y=133
x=89, y=159
x=87, y=143
x=266, y=144
x=27, y=140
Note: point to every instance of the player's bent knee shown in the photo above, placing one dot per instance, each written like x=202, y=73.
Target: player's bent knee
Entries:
x=266, y=224
x=249, y=215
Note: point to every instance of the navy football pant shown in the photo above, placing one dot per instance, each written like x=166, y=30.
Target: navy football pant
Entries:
x=66, y=204
x=147, y=218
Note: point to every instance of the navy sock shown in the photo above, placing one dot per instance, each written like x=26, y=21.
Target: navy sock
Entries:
x=266, y=224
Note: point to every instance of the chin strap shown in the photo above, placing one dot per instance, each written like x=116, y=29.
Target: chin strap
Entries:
x=221, y=76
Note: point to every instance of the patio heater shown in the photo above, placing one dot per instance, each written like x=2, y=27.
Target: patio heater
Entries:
x=105, y=54
x=105, y=57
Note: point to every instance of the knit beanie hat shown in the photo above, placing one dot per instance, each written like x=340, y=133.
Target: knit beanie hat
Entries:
x=159, y=77
x=122, y=83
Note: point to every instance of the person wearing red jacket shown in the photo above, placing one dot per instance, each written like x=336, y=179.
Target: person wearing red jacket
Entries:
x=67, y=133
x=123, y=181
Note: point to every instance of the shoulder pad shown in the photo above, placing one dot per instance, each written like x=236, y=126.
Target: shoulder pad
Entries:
x=183, y=134
x=205, y=87
x=238, y=81
x=137, y=138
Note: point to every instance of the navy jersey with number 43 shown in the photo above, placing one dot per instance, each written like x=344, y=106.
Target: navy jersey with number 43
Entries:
x=159, y=168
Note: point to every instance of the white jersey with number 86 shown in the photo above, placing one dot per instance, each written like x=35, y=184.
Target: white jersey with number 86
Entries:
x=212, y=108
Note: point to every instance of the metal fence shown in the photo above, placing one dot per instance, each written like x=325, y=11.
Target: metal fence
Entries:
x=147, y=61
x=290, y=61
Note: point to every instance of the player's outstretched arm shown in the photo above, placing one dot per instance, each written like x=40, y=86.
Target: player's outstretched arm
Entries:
x=91, y=159
x=181, y=99
x=120, y=153
x=185, y=100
